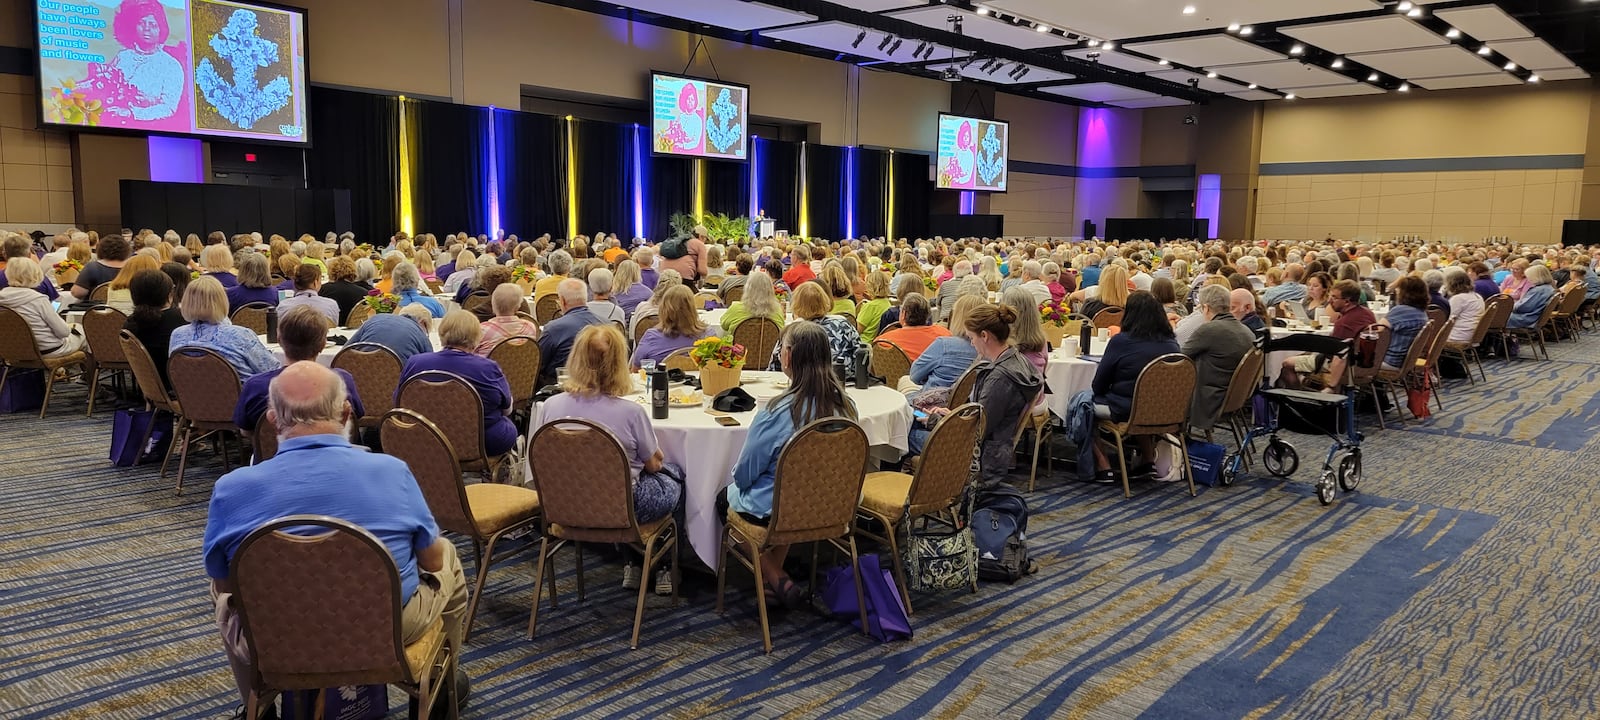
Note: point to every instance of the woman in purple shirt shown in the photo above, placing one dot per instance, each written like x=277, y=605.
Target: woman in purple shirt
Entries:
x=678, y=328
x=633, y=291
x=459, y=333
x=255, y=283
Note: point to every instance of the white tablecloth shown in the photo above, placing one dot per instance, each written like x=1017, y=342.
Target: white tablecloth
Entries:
x=1066, y=374
x=1275, y=359
x=713, y=319
x=707, y=451
x=326, y=357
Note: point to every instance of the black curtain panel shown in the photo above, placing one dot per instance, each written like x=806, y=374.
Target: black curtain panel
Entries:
x=451, y=170
x=727, y=187
x=355, y=145
x=825, y=190
x=532, y=173
x=605, y=174
x=871, y=191
x=778, y=176
x=669, y=189
x=913, y=195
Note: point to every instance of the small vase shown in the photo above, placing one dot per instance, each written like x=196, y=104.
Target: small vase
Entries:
x=716, y=378
x=1054, y=333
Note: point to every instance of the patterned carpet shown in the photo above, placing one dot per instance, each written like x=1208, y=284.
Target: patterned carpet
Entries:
x=1458, y=583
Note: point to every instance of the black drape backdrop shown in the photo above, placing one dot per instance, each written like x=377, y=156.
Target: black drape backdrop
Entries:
x=727, y=187
x=605, y=177
x=778, y=172
x=825, y=190
x=355, y=144
x=452, y=166
x=669, y=189
x=532, y=174
x=913, y=195
x=871, y=191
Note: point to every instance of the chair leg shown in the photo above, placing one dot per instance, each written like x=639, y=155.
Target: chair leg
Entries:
x=1122, y=462
x=761, y=597
x=482, y=560
x=722, y=570
x=1188, y=470
x=578, y=546
x=183, y=455
x=899, y=568
x=638, y=608
x=49, y=388
x=861, y=596
x=94, y=389
x=178, y=424
x=538, y=584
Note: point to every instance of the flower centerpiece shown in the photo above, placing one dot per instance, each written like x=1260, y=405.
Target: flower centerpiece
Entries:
x=1054, y=318
x=525, y=276
x=720, y=361
x=929, y=283
x=66, y=271
x=364, y=250
x=382, y=302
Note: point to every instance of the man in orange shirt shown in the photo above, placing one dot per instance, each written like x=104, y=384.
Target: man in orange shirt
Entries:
x=799, y=268
x=614, y=252
x=915, y=334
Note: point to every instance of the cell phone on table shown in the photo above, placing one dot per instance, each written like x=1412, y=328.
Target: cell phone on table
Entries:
x=727, y=421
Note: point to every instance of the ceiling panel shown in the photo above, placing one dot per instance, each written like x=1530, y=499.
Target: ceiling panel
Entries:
x=1327, y=91
x=1484, y=22
x=1532, y=53
x=1180, y=77
x=1000, y=74
x=1566, y=74
x=1119, y=19
x=1119, y=61
x=1466, y=81
x=1427, y=62
x=1390, y=32
x=1207, y=51
x=983, y=27
x=732, y=14
x=838, y=36
x=1254, y=95
x=1099, y=92
x=1155, y=102
x=881, y=5
x=1285, y=74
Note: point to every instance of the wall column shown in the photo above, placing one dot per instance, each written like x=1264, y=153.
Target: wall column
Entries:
x=1231, y=147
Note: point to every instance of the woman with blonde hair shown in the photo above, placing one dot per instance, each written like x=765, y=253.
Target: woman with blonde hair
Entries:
x=812, y=303
x=205, y=310
x=759, y=301
x=119, y=298
x=870, y=312
x=596, y=389
x=255, y=283
x=839, y=288
x=989, y=270
x=858, y=279
x=666, y=281
x=1112, y=291
x=678, y=328
x=218, y=262
x=386, y=271
x=633, y=290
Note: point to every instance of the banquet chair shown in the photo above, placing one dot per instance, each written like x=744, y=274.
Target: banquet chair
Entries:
x=679, y=360
x=1496, y=313
x=734, y=295
x=849, y=317
x=1038, y=421
x=1366, y=377
x=889, y=362
x=99, y=294
x=376, y=370
x=931, y=493
x=1566, y=320
x=435, y=286
x=1241, y=389
x=518, y=358
x=477, y=300
x=1466, y=352
x=586, y=493
x=758, y=335
x=263, y=440
x=454, y=405
x=157, y=395
x=1535, y=334
x=324, y=611
x=1436, y=313
x=483, y=512
x=208, y=389
x=19, y=350
x=701, y=298
x=1402, y=378
x=1160, y=408
x=1430, y=361
x=546, y=308
x=100, y=329
x=359, y=314
x=1108, y=318
x=643, y=326
x=251, y=315
x=891, y=326
x=814, y=498
x=962, y=391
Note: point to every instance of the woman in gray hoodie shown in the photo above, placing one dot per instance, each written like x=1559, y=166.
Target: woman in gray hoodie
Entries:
x=1006, y=386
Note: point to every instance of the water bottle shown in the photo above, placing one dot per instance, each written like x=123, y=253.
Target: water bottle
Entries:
x=272, y=326
x=841, y=370
x=1084, y=329
x=658, y=393
x=863, y=365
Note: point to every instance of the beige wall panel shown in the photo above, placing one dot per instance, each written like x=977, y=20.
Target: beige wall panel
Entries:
x=1464, y=181
x=1407, y=202
x=1037, y=205
x=1539, y=199
x=23, y=177
x=22, y=147
x=1507, y=199
x=24, y=207
x=61, y=210
x=1331, y=188
x=16, y=24
x=1565, y=202
x=901, y=111
x=1042, y=132
x=1510, y=178
x=402, y=46
x=1463, y=201
x=1166, y=140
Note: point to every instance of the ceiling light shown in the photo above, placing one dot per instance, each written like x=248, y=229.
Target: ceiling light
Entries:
x=1405, y=87
x=1337, y=63
x=1163, y=61
x=983, y=10
x=1452, y=33
x=1416, y=12
x=997, y=68
x=1533, y=78
x=1372, y=78
x=1483, y=50
x=1212, y=75
x=1188, y=9
x=1298, y=49
x=884, y=44
x=921, y=46
x=1233, y=27
x=1511, y=66
x=1290, y=96
x=1246, y=30
x=859, y=37
x=1094, y=43
x=1251, y=87
x=1108, y=45
x=1042, y=28
x=1404, y=6
x=896, y=46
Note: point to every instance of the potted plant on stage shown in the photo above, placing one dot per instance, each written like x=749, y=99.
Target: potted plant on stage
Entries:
x=720, y=361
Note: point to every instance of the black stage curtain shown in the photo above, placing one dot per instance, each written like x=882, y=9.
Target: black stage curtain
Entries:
x=727, y=187
x=913, y=195
x=778, y=172
x=355, y=144
x=669, y=189
x=871, y=191
x=825, y=190
x=451, y=170
x=532, y=174
x=604, y=155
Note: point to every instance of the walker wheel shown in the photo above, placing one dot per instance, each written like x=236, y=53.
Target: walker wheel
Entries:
x=1280, y=458
x=1325, y=488
x=1350, y=472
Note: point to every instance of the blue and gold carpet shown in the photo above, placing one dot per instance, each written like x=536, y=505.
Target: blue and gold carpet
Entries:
x=1458, y=583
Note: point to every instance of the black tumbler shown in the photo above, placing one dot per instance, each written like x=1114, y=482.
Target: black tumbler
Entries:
x=658, y=392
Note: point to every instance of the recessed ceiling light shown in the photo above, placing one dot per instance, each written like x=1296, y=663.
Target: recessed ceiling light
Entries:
x=1404, y=6
x=1416, y=12
x=1483, y=50
x=1290, y=96
x=1212, y=75
x=1298, y=49
x=1372, y=78
x=1108, y=45
x=1233, y=27
x=1251, y=87
x=1163, y=61
x=1511, y=66
x=1405, y=87
x=983, y=10
x=1533, y=78
x=1094, y=43
x=1246, y=30
x=1337, y=63
x=1452, y=33
x=1188, y=9
x=1042, y=28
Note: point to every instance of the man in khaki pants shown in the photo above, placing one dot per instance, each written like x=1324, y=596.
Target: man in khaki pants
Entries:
x=318, y=472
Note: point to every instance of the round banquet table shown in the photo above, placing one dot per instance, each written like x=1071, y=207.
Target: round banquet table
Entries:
x=707, y=451
x=326, y=356
x=1066, y=374
x=713, y=319
x=1275, y=359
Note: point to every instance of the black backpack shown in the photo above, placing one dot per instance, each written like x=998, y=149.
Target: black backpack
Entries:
x=673, y=248
x=1000, y=528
